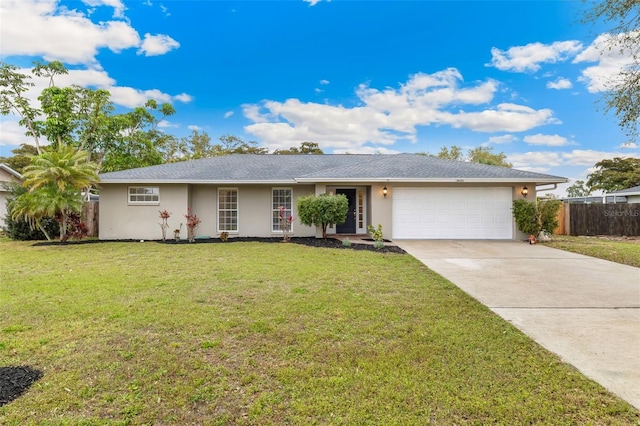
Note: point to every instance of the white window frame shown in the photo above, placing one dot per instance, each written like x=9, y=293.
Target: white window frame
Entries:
x=147, y=191
x=237, y=210
x=275, y=211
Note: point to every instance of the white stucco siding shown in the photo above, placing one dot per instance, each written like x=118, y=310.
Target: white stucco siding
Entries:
x=5, y=178
x=120, y=220
x=203, y=204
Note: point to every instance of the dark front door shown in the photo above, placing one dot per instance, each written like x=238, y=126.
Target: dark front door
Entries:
x=349, y=226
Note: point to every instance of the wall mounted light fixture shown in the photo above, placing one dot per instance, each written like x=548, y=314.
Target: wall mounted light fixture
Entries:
x=385, y=191
x=525, y=191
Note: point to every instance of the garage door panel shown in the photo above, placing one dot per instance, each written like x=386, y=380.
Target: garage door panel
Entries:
x=452, y=213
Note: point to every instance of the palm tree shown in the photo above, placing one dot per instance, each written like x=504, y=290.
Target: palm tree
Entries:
x=55, y=180
x=45, y=202
x=64, y=167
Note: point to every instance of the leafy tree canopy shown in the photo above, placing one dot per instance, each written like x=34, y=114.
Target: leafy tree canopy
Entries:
x=21, y=157
x=481, y=155
x=305, y=148
x=615, y=174
x=623, y=95
x=578, y=189
x=83, y=118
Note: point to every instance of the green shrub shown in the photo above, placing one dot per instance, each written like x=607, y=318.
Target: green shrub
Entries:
x=532, y=217
x=20, y=229
x=323, y=210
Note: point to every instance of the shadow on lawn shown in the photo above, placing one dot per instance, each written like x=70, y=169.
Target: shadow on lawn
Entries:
x=14, y=381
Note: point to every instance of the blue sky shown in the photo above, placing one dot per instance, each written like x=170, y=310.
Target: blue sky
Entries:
x=523, y=77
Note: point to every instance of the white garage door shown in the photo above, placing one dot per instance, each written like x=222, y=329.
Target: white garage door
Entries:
x=452, y=213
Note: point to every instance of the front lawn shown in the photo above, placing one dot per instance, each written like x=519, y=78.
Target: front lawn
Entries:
x=619, y=250
x=258, y=333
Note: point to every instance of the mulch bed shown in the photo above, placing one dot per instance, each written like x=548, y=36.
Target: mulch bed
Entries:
x=307, y=241
x=14, y=381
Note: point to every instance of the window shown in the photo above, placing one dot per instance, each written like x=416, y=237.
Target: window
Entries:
x=227, y=210
x=144, y=195
x=279, y=197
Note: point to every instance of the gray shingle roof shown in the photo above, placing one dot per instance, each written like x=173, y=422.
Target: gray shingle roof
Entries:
x=635, y=190
x=251, y=168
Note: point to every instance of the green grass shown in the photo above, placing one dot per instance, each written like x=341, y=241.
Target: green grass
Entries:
x=258, y=334
x=622, y=251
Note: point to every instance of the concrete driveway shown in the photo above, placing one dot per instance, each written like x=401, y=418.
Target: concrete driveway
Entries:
x=585, y=310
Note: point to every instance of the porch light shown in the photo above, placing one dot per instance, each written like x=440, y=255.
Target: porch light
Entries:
x=385, y=191
x=525, y=191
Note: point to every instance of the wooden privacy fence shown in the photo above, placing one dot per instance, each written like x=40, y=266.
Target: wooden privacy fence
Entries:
x=90, y=214
x=599, y=219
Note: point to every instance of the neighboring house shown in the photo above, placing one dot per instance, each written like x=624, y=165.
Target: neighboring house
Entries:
x=7, y=174
x=631, y=194
x=596, y=199
x=411, y=195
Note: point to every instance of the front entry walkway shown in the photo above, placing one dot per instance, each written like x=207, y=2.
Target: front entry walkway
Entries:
x=585, y=310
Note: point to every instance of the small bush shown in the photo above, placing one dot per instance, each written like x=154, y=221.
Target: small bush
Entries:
x=323, y=210
x=533, y=217
x=21, y=231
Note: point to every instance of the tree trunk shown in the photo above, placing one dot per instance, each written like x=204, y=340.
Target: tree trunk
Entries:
x=44, y=231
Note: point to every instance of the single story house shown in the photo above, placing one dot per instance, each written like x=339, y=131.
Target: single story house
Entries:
x=7, y=175
x=412, y=196
x=631, y=194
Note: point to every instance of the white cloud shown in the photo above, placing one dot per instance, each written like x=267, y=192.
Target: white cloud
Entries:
x=154, y=45
x=506, y=117
x=366, y=150
x=539, y=160
x=384, y=116
x=529, y=57
x=629, y=145
x=324, y=82
x=589, y=157
x=46, y=28
x=312, y=2
x=228, y=114
x=611, y=60
x=118, y=6
x=12, y=134
x=131, y=98
x=499, y=140
x=546, y=140
x=194, y=127
x=560, y=83
x=183, y=97
x=163, y=124
x=544, y=160
x=120, y=95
